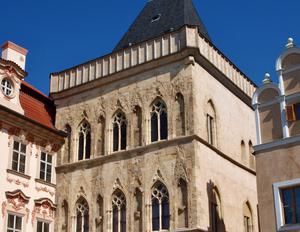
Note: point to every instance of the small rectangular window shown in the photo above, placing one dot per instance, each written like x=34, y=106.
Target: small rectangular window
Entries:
x=46, y=167
x=14, y=223
x=42, y=227
x=19, y=157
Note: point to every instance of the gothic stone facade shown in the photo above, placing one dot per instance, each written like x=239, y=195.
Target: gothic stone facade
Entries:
x=205, y=160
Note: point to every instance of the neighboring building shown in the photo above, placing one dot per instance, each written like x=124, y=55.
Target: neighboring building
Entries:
x=277, y=112
x=29, y=142
x=157, y=134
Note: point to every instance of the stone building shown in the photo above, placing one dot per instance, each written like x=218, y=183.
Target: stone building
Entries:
x=157, y=139
x=277, y=153
x=29, y=143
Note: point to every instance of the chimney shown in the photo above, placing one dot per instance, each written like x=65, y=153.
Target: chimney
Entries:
x=15, y=53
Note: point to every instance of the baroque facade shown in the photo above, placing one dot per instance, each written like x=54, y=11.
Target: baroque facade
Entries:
x=29, y=144
x=157, y=139
x=277, y=153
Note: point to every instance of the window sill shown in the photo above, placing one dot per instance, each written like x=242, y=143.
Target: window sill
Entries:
x=294, y=227
x=45, y=183
x=20, y=174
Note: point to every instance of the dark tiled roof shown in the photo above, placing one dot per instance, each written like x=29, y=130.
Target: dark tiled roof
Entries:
x=172, y=14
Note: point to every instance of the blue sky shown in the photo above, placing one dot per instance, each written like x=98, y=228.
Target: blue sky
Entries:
x=62, y=33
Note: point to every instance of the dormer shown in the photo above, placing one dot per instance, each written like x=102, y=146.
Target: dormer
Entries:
x=12, y=65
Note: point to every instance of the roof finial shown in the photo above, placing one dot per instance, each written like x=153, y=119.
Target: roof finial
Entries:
x=267, y=79
x=290, y=43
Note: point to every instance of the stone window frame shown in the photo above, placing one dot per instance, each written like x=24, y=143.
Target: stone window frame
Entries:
x=52, y=165
x=83, y=208
x=11, y=151
x=160, y=196
x=121, y=119
x=153, y=110
x=279, y=213
x=44, y=222
x=85, y=132
x=13, y=89
x=119, y=202
x=15, y=215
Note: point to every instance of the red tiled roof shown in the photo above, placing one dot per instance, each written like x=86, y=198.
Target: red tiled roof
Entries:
x=37, y=106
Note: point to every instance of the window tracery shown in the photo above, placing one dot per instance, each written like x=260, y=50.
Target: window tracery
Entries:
x=84, y=141
x=159, y=121
x=82, y=220
x=119, y=132
x=119, y=211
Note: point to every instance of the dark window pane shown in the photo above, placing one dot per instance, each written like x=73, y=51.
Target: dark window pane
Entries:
x=22, y=159
x=155, y=214
x=49, y=158
x=297, y=111
x=43, y=156
x=86, y=223
x=115, y=219
x=154, y=127
x=165, y=214
x=18, y=223
x=297, y=199
x=79, y=223
x=42, y=175
x=163, y=125
x=22, y=167
x=15, y=166
x=10, y=221
x=123, y=219
x=88, y=146
x=48, y=177
x=39, y=226
x=123, y=136
x=16, y=145
x=287, y=206
x=23, y=148
x=116, y=137
x=46, y=227
x=80, y=147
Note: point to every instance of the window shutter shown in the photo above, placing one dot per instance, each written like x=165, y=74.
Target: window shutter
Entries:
x=290, y=113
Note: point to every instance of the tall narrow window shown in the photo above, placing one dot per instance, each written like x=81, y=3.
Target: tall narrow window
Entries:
x=43, y=226
x=19, y=157
x=65, y=212
x=100, y=214
x=84, y=141
x=251, y=156
x=159, y=121
x=14, y=223
x=119, y=211
x=67, y=155
x=215, y=211
x=180, y=115
x=45, y=167
x=247, y=218
x=138, y=214
x=210, y=129
x=119, y=132
x=101, y=138
x=82, y=216
x=183, y=204
x=160, y=208
x=137, y=126
x=243, y=150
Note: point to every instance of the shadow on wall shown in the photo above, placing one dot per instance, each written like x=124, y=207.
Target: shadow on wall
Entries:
x=215, y=209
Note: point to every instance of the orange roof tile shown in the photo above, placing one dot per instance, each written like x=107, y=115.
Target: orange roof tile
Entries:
x=37, y=106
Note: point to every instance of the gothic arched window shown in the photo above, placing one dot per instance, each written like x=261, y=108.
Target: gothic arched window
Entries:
x=84, y=141
x=82, y=216
x=159, y=121
x=119, y=211
x=160, y=208
x=211, y=123
x=119, y=132
x=248, y=220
